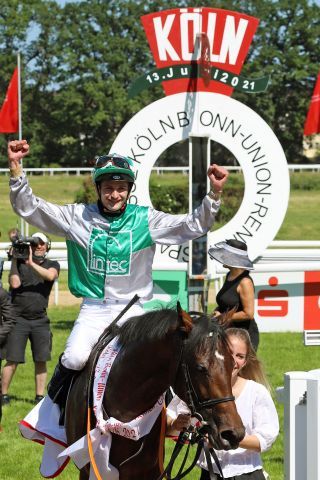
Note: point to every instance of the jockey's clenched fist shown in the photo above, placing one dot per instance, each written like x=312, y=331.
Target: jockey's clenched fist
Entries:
x=17, y=150
x=218, y=176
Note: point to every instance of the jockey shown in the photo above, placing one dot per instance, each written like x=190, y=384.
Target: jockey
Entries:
x=111, y=245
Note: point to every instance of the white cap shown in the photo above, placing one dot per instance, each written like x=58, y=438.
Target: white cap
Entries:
x=41, y=236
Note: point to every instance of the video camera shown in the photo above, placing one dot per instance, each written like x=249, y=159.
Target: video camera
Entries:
x=20, y=246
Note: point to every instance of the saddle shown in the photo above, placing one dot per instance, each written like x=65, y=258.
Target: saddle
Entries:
x=111, y=331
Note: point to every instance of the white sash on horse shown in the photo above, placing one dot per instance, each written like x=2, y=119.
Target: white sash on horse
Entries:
x=101, y=437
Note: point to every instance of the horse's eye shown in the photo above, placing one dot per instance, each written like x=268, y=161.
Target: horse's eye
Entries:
x=201, y=368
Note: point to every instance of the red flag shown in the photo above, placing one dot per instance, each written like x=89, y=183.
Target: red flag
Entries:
x=312, y=124
x=9, y=117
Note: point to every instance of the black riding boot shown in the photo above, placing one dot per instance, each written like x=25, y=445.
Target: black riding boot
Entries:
x=59, y=385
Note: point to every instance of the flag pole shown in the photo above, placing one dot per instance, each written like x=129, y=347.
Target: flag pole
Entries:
x=23, y=226
x=19, y=96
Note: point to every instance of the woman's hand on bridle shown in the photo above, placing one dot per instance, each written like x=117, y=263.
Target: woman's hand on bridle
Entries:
x=182, y=422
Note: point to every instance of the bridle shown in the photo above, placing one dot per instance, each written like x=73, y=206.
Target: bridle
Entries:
x=194, y=435
x=194, y=403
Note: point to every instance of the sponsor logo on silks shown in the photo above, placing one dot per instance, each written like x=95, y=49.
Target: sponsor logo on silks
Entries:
x=199, y=49
x=110, y=253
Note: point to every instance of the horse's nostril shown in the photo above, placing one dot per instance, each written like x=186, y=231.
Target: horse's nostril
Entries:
x=232, y=437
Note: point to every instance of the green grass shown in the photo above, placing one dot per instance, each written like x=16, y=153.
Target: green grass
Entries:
x=59, y=189
x=20, y=459
x=302, y=219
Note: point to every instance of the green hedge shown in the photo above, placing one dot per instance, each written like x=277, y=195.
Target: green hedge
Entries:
x=169, y=193
x=305, y=181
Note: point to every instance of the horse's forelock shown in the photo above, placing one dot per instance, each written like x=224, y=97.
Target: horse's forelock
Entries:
x=205, y=334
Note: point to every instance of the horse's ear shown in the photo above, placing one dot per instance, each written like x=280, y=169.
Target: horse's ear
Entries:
x=224, y=319
x=185, y=320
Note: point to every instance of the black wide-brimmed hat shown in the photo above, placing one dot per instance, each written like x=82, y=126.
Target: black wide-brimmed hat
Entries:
x=232, y=253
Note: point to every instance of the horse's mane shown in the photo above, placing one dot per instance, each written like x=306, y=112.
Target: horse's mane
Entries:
x=152, y=325
x=155, y=324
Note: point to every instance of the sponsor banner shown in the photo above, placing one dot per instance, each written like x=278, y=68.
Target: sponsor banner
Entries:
x=287, y=301
x=279, y=301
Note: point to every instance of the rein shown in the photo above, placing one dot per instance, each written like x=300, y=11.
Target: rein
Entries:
x=191, y=436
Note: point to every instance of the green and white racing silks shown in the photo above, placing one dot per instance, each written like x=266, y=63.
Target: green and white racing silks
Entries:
x=110, y=257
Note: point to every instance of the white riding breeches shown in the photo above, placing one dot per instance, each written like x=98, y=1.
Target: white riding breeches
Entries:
x=94, y=317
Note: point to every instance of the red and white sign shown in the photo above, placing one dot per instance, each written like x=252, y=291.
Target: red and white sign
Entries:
x=312, y=301
x=287, y=301
x=172, y=36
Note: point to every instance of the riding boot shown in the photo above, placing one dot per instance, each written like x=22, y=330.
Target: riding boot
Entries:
x=59, y=386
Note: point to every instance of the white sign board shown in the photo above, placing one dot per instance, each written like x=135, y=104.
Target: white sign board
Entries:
x=238, y=128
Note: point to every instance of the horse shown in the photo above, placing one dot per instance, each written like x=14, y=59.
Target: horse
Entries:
x=160, y=349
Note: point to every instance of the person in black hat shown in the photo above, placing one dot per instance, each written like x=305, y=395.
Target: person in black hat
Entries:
x=237, y=291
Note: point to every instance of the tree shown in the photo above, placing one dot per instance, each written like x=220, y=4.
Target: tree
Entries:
x=79, y=60
x=286, y=46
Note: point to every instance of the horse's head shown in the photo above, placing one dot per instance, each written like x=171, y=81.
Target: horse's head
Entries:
x=204, y=380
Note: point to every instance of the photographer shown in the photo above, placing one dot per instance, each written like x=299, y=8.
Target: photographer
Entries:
x=31, y=279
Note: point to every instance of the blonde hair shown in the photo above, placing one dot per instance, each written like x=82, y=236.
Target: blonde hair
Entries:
x=253, y=369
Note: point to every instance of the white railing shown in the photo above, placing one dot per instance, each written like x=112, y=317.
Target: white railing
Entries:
x=281, y=256
x=302, y=255
x=284, y=256
x=159, y=170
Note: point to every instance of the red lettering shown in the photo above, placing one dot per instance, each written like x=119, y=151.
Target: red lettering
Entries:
x=269, y=303
x=172, y=36
x=312, y=301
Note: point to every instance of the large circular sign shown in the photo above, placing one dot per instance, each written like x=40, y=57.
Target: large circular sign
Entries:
x=238, y=128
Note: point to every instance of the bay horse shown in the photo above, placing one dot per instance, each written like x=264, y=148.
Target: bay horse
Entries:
x=161, y=349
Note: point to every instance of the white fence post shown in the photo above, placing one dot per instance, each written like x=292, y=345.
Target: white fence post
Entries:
x=301, y=425
x=295, y=425
x=313, y=426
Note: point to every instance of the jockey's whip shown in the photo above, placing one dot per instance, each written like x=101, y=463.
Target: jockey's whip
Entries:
x=115, y=321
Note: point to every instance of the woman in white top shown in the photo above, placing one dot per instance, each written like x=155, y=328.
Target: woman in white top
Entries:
x=256, y=409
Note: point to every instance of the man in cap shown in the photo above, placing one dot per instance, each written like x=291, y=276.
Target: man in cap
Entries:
x=30, y=281
x=111, y=245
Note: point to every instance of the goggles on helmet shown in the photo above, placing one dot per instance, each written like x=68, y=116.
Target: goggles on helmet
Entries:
x=115, y=160
x=114, y=165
